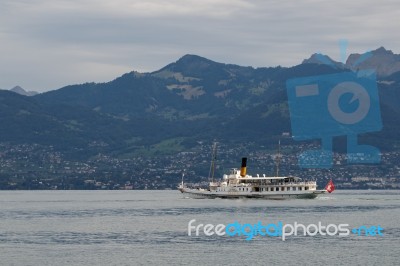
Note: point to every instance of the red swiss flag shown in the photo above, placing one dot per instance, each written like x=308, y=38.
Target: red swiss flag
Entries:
x=330, y=186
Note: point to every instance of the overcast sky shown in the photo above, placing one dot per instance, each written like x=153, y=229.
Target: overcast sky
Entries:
x=47, y=44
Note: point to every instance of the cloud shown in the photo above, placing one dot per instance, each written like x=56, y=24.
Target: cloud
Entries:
x=48, y=44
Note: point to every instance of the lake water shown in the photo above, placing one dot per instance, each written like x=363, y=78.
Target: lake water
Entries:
x=151, y=228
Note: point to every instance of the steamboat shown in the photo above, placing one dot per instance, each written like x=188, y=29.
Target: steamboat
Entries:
x=238, y=184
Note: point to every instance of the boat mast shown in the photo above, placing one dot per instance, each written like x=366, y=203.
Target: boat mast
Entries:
x=278, y=158
x=214, y=157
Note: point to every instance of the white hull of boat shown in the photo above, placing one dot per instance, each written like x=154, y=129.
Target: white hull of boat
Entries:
x=202, y=194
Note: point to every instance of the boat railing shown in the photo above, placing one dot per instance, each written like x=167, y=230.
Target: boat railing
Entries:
x=300, y=183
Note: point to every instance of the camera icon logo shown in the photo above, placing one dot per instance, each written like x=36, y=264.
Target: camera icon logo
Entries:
x=326, y=106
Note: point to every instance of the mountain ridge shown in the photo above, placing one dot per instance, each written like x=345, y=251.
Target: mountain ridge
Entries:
x=384, y=62
x=192, y=98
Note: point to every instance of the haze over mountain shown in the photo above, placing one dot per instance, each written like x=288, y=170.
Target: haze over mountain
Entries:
x=191, y=99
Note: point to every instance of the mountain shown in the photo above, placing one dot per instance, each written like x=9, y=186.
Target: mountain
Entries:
x=385, y=62
x=21, y=91
x=191, y=99
x=28, y=121
x=321, y=59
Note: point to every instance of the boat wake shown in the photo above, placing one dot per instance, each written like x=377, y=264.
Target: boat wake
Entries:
x=326, y=198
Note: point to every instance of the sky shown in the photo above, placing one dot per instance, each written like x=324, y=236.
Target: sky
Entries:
x=48, y=44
